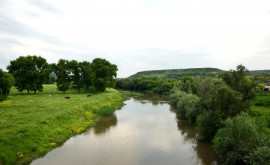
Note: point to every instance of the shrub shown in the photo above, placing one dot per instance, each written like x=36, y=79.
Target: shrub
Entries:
x=188, y=106
x=242, y=141
x=175, y=95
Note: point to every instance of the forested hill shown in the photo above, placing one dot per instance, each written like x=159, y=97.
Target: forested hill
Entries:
x=195, y=72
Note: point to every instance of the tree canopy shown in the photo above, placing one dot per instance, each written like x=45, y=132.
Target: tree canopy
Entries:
x=30, y=72
x=62, y=71
x=104, y=74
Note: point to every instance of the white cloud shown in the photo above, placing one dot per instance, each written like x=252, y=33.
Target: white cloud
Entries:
x=220, y=33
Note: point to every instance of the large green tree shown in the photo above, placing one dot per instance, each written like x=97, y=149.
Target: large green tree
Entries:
x=87, y=74
x=104, y=74
x=6, y=82
x=238, y=81
x=76, y=79
x=63, y=73
x=29, y=72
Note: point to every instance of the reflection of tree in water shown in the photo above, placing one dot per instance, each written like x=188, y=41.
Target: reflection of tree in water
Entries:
x=186, y=131
x=104, y=124
x=153, y=98
x=205, y=153
x=203, y=150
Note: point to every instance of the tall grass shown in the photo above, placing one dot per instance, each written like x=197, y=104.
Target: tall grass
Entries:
x=31, y=125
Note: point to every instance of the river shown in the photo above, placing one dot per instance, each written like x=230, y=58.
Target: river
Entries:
x=145, y=131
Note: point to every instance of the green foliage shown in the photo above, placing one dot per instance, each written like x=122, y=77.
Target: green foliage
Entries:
x=238, y=81
x=208, y=103
x=188, y=106
x=146, y=83
x=75, y=77
x=87, y=75
x=175, y=95
x=185, y=84
x=6, y=82
x=242, y=141
x=208, y=124
x=104, y=74
x=30, y=72
x=261, y=86
x=79, y=75
x=62, y=71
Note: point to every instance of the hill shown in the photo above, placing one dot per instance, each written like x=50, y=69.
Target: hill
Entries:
x=176, y=73
x=194, y=72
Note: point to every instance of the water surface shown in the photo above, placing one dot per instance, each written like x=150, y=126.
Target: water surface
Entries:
x=145, y=131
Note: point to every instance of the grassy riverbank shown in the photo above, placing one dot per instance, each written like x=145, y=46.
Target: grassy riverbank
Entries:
x=31, y=125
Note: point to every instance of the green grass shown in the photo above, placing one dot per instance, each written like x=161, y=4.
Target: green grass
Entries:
x=31, y=125
x=261, y=109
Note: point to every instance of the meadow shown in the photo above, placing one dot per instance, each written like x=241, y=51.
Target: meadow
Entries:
x=261, y=109
x=33, y=124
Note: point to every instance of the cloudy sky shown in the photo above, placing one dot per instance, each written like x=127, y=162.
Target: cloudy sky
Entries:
x=139, y=35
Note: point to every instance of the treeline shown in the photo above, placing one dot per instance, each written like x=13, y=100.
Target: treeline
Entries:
x=146, y=84
x=30, y=72
x=216, y=108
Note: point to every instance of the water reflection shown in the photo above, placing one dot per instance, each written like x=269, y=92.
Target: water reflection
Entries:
x=104, y=124
x=152, y=98
x=203, y=150
x=146, y=131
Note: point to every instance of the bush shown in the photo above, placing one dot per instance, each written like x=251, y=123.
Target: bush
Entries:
x=175, y=95
x=188, y=106
x=242, y=141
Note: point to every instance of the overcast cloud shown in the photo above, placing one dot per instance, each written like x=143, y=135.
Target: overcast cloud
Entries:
x=139, y=35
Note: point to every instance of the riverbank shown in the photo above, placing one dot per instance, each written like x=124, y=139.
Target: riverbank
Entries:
x=31, y=125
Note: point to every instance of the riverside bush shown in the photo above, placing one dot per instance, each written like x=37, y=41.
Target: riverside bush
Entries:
x=188, y=106
x=242, y=141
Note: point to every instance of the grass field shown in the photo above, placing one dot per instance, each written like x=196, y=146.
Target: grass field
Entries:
x=261, y=109
x=31, y=125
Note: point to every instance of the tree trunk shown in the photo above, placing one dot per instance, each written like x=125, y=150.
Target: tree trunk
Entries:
x=27, y=91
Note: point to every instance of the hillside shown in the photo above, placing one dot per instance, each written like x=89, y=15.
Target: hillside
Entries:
x=176, y=73
x=195, y=72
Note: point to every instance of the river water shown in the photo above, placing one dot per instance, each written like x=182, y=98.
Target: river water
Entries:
x=145, y=131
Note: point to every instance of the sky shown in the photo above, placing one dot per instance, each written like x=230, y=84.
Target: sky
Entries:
x=139, y=35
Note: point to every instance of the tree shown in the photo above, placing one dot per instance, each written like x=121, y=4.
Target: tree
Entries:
x=30, y=72
x=6, y=82
x=75, y=76
x=62, y=71
x=238, y=81
x=104, y=74
x=87, y=74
